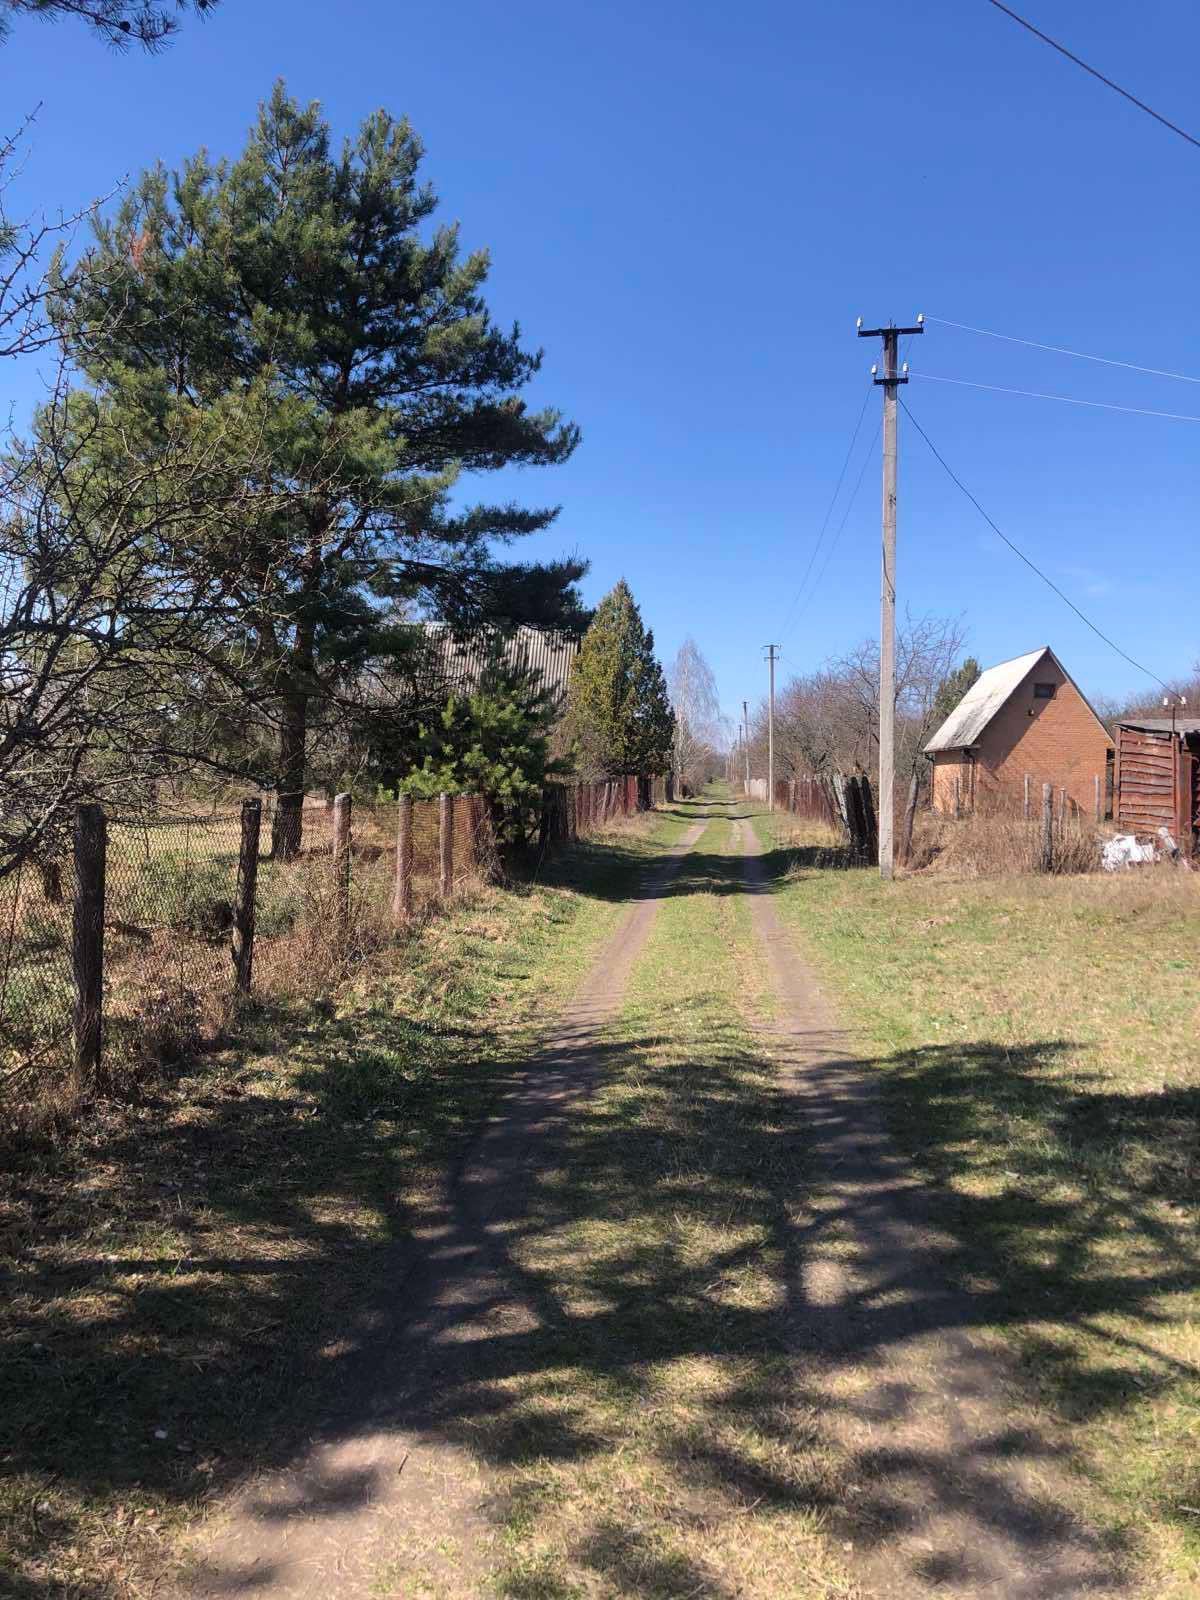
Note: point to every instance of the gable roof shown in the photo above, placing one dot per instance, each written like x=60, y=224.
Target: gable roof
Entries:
x=990, y=692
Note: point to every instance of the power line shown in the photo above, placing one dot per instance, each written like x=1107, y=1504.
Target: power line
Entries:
x=1061, y=350
x=1017, y=551
x=829, y=512
x=1116, y=87
x=833, y=543
x=1066, y=399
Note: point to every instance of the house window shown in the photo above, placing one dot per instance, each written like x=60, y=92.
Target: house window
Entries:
x=1043, y=691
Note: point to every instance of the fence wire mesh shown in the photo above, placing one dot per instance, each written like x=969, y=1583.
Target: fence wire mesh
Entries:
x=36, y=990
x=171, y=912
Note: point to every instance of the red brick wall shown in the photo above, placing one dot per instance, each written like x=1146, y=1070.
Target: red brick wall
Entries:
x=947, y=766
x=1054, y=741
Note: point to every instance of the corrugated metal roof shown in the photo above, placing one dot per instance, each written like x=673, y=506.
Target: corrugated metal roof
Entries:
x=965, y=724
x=1161, y=724
x=542, y=650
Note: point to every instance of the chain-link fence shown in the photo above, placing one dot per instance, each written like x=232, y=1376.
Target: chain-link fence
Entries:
x=153, y=925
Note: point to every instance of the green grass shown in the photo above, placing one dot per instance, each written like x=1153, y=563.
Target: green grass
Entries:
x=652, y=1441
x=183, y=1270
x=1038, y=1045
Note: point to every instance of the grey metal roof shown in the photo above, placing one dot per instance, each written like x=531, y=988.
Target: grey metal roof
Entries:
x=544, y=651
x=1161, y=724
x=965, y=724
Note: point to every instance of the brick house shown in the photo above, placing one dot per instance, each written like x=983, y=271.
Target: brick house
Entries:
x=1024, y=718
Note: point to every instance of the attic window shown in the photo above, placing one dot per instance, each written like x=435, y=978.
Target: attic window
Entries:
x=1043, y=691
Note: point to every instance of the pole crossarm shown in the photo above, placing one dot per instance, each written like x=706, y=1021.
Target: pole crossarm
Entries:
x=883, y=333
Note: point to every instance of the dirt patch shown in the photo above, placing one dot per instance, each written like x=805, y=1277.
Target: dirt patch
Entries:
x=384, y=1490
x=959, y=1489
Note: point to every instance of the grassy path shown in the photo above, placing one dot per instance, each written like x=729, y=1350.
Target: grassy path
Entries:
x=658, y=1444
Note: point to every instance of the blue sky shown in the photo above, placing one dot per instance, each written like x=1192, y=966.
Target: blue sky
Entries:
x=688, y=205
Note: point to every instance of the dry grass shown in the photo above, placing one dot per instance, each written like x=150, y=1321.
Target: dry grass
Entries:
x=983, y=846
x=1038, y=1040
x=169, y=976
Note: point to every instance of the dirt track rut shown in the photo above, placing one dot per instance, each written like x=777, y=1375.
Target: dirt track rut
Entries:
x=384, y=1479
x=959, y=1492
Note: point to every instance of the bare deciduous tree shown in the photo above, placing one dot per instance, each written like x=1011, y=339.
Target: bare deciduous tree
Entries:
x=121, y=651
x=828, y=721
x=697, y=708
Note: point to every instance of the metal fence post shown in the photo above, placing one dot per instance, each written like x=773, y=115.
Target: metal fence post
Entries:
x=446, y=844
x=247, y=883
x=87, y=944
x=1047, y=827
x=402, y=894
x=341, y=857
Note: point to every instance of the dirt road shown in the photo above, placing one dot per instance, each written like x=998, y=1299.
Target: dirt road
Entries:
x=935, y=1477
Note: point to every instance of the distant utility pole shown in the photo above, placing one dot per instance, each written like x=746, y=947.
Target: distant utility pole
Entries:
x=771, y=649
x=892, y=375
x=746, y=741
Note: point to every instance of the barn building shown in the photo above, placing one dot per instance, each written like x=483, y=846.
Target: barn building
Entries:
x=1022, y=719
x=1157, y=783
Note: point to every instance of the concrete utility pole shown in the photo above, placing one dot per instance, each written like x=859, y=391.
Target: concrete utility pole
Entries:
x=746, y=741
x=892, y=375
x=771, y=649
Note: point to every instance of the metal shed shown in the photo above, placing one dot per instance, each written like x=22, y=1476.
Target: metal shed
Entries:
x=1157, y=779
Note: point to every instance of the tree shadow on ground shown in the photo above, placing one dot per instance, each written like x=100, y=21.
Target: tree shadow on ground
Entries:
x=666, y=1228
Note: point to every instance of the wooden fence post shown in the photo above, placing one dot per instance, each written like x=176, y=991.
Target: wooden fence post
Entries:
x=957, y=798
x=341, y=859
x=402, y=894
x=1028, y=806
x=1099, y=802
x=247, y=884
x=446, y=844
x=87, y=945
x=1047, y=827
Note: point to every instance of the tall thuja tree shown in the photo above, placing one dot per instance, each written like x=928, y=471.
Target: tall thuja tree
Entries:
x=619, y=714
x=304, y=285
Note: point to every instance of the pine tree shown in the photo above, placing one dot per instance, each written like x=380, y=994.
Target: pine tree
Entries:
x=295, y=286
x=952, y=688
x=619, y=714
x=493, y=742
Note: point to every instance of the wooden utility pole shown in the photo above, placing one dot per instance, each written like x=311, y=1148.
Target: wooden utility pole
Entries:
x=746, y=741
x=893, y=374
x=771, y=649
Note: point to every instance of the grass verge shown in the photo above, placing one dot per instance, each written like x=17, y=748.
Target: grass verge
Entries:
x=1038, y=1040
x=179, y=1271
